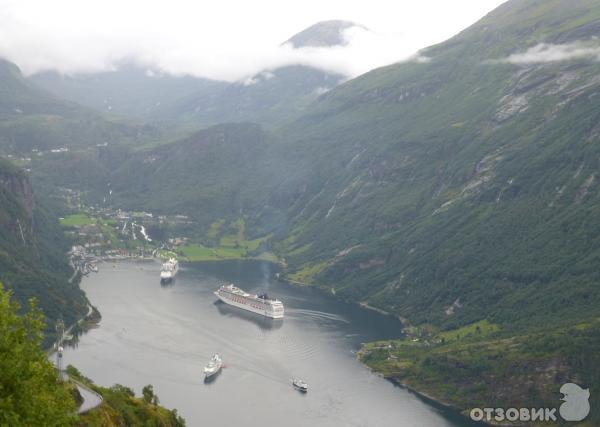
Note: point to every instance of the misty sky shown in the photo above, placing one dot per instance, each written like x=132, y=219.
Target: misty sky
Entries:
x=225, y=39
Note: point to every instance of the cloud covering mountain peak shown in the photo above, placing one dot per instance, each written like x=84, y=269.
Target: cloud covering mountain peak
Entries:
x=326, y=34
x=229, y=41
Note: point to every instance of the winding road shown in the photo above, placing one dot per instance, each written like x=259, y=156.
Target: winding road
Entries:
x=91, y=399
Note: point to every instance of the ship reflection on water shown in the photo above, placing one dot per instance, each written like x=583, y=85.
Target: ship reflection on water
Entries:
x=263, y=322
x=167, y=283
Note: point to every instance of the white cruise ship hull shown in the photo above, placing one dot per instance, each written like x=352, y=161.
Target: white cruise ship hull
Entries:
x=169, y=270
x=211, y=372
x=248, y=306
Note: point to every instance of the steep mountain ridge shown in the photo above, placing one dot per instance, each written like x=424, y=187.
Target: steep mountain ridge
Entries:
x=32, y=248
x=31, y=118
x=131, y=90
x=456, y=201
x=212, y=172
x=270, y=98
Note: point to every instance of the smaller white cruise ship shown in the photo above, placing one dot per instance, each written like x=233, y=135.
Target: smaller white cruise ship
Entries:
x=214, y=366
x=169, y=270
x=300, y=385
x=260, y=304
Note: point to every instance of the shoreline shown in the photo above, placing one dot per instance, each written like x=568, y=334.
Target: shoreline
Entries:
x=429, y=399
x=93, y=316
x=370, y=307
x=197, y=261
x=403, y=320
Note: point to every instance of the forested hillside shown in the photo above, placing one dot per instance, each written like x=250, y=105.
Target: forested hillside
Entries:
x=32, y=251
x=31, y=118
x=130, y=91
x=270, y=98
x=31, y=393
x=213, y=173
x=463, y=178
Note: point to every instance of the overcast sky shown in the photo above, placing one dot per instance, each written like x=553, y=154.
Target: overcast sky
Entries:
x=220, y=39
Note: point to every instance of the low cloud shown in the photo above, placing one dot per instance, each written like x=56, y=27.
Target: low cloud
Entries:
x=229, y=40
x=545, y=52
x=241, y=61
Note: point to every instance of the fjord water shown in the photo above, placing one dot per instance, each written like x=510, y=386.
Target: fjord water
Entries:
x=164, y=335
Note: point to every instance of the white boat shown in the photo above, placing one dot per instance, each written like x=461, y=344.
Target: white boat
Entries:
x=213, y=367
x=300, y=385
x=169, y=270
x=260, y=304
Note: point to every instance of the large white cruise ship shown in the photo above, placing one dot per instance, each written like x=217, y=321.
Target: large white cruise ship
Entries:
x=169, y=270
x=260, y=304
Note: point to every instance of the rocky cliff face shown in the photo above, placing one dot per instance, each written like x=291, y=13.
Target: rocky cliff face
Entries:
x=16, y=214
x=20, y=186
x=32, y=251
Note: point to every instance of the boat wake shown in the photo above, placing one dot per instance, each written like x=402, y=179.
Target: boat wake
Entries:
x=314, y=314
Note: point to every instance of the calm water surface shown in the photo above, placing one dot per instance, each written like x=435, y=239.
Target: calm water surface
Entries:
x=152, y=334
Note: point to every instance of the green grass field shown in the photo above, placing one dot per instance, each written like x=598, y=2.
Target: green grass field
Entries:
x=198, y=252
x=225, y=242
x=308, y=272
x=479, y=329
x=76, y=220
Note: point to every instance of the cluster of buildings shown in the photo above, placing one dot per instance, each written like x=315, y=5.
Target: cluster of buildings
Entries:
x=119, y=234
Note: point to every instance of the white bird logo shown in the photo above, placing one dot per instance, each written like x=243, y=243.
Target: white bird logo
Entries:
x=576, y=406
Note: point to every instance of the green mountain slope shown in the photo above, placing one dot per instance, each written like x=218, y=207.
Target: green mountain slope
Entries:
x=460, y=189
x=31, y=118
x=32, y=251
x=63, y=143
x=463, y=179
x=215, y=172
x=269, y=97
x=129, y=91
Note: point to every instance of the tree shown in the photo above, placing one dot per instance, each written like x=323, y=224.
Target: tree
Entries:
x=148, y=393
x=30, y=390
